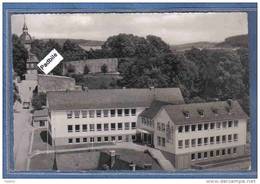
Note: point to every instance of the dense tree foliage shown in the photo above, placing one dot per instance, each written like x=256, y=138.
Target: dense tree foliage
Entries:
x=20, y=56
x=16, y=96
x=38, y=100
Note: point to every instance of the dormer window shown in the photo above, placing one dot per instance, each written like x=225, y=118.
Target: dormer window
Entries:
x=186, y=114
x=228, y=109
x=201, y=112
x=215, y=111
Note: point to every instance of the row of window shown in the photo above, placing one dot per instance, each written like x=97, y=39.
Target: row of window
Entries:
x=213, y=153
x=147, y=122
x=161, y=141
x=207, y=126
x=101, y=127
x=101, y=139
x=207, y=141
x=101, y=113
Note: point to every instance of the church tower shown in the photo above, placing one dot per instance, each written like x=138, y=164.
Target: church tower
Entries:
x=32, y=61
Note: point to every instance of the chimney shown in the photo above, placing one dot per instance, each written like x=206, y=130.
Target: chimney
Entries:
x=112, y=154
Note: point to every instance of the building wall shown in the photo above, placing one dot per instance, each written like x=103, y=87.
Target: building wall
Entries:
x=240, y=130
x=36, y=124
x=94, y=65
x=60, y=122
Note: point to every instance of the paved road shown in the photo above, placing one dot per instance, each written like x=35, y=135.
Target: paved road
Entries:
x=22, y=127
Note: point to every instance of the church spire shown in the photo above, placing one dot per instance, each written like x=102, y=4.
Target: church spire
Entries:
x=25, y=28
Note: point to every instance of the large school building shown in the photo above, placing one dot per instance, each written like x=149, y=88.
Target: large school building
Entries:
x=185, y=133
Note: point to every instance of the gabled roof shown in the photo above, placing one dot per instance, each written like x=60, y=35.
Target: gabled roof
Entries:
x=111, y=98
x=40, y=113
x=153, y=109
x=212, y=111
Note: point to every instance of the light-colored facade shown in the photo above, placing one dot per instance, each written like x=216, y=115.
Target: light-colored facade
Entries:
x=100, y=116
x=192, y=141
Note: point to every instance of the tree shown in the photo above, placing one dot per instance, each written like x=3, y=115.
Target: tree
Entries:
x=104, y=68
x=86, y=69
x=20, y=56
x=16, y=94
x=38, y=101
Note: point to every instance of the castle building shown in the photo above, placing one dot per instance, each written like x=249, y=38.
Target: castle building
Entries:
x=186, y=134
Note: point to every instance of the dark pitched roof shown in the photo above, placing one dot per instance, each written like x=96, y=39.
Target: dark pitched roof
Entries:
x=212, y=111
x=153, y=109
x=111, y=98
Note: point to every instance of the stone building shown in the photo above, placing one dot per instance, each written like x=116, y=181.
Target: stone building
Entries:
x=93, y=66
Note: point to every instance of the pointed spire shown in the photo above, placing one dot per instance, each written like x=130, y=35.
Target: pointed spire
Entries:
x=25, y=28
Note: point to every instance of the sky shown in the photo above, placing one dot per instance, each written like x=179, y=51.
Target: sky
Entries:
x=173, y=28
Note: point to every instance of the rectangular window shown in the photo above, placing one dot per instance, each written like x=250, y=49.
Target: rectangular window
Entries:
x=119, y=112
x=76, y=114
x=113, y=112
x=236, y=123
x=70, y=141
x=77, y=128
x=223, y=152
x=84, y=114
x=99, y=139
x=91, y=113
x=98, y=113
x=113, y=138
x=193, y=128
x=206, y=126
x=70, y=128
x=119, y=126
x=217, y=153
x=199, y=141
x=99, y=127
x=163, y=127
x=229, y=151
x=205, y=141
x=106, y=139
x=92, y=139
x=133, y=137
x=230, y=138
x=77, y=140
x=212, y=125
x=211, y=140
x=84, y=127
x=158, y=126
x=133, y=112
x=192, y=156
x=223, y=139
x=105, y=112
x=180, y=129
x=218, y=139
x=119, y=138
x=187, y=128
x=224, y=124
x=163, y=142
x=127, y=126
x=69, y=114
x=211, y=153
x=230, y=124
x=193, y=142
x=180, y=144
x=199, y=127
x=234, y=150
x=113, y=126
x=218, y=125
x=42, y=123
x=92, y=127
x=199, y=155
x=85, y=139
x=235, y=137
x=159, y=141
x=205, y=155
x=187, y=143
x=126, y=112
x=133, y=125
x=106, y=127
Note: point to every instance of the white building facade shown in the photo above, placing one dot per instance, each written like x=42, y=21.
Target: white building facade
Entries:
x=100, y=116
x=192, y=133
